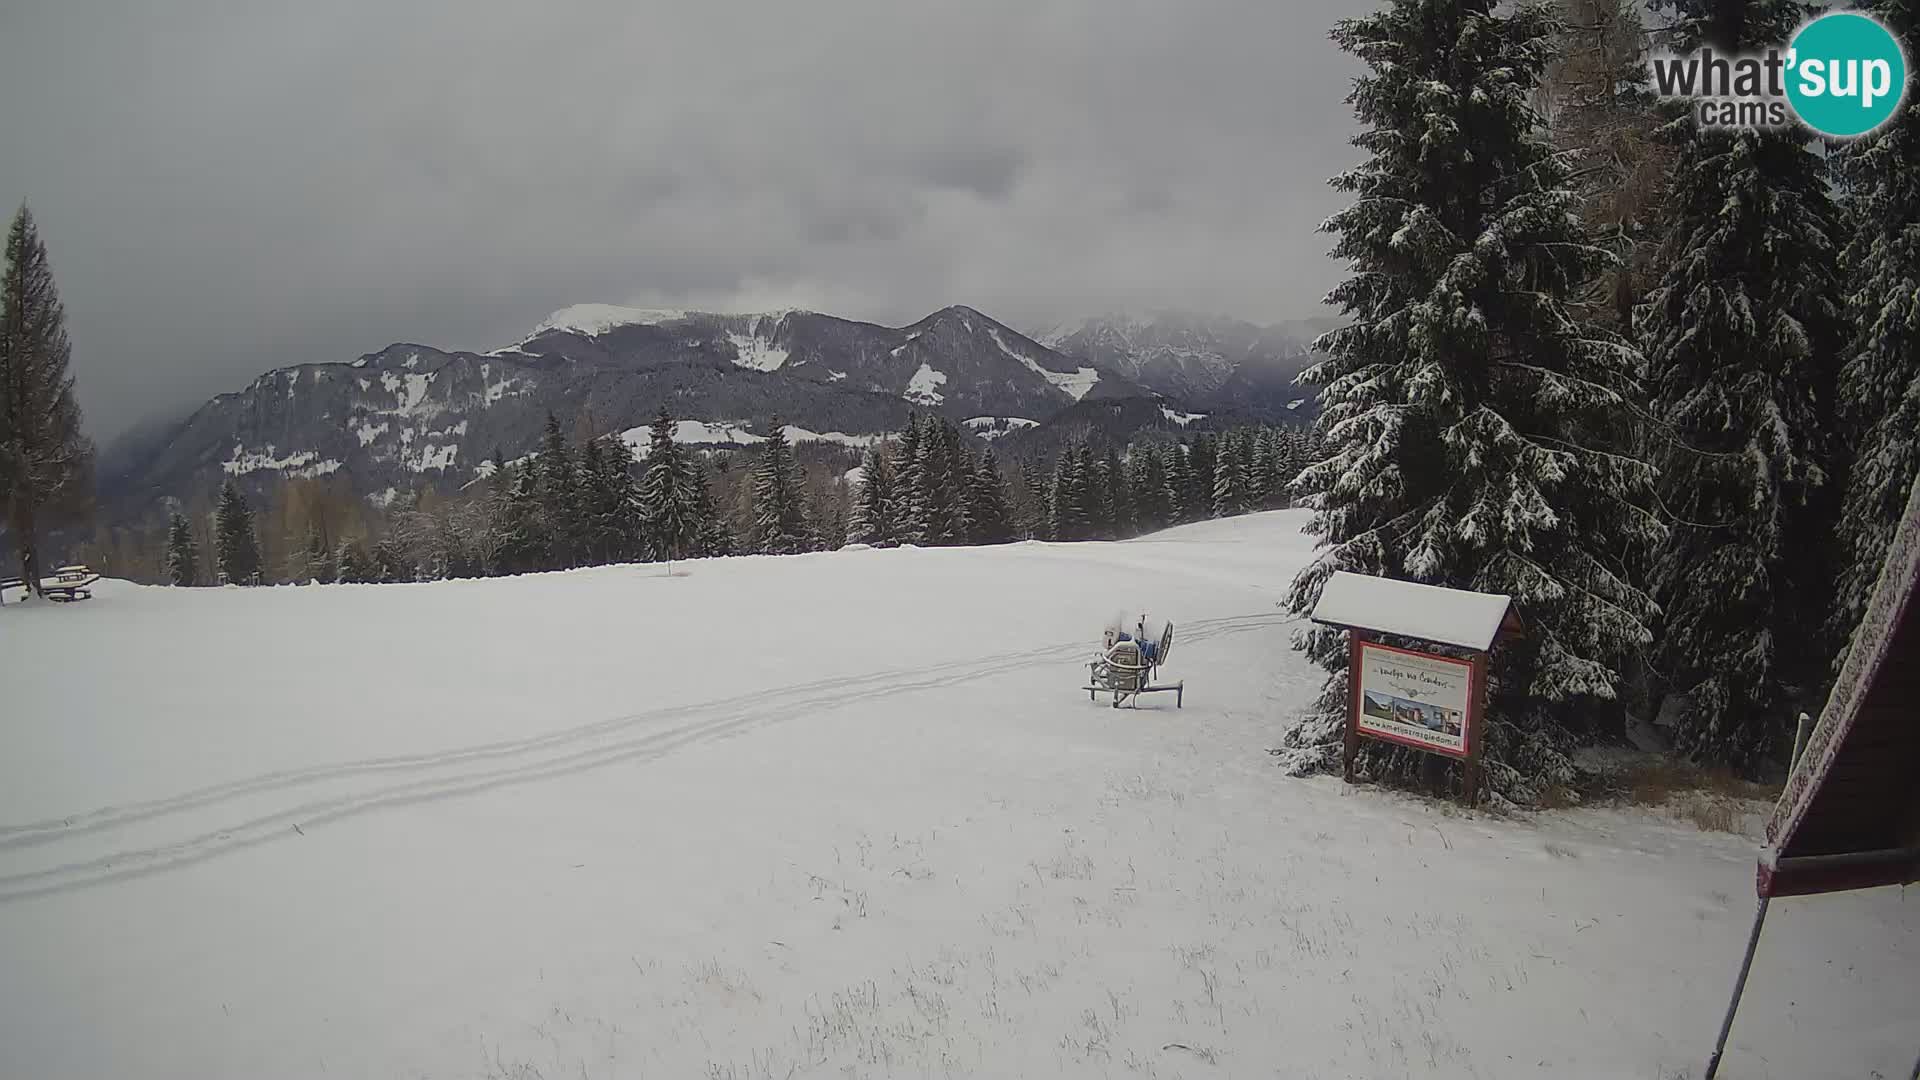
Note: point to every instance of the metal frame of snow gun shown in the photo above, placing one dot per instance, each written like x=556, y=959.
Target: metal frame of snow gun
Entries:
x=1122, y=672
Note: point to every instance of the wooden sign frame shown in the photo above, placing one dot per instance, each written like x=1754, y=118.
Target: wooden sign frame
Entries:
x=1476, y=665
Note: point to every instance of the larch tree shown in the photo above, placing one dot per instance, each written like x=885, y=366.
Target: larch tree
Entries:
x=1460, y=403
x=1742, y=334
x=1597, y=105
x=46, y=460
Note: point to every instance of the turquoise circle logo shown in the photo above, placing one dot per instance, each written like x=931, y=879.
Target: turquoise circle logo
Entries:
x=1846, y=74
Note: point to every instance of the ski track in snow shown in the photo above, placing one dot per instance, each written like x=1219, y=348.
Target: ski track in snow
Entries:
x=538, y=758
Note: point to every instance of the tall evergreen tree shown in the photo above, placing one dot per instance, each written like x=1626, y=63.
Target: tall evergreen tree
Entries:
x=1230, y=476
x=1459, y=401
x=319, y=558
x=595, y=496
x=716, y=534
x=560, y=502
x=779, y=507
x=1202, y=456
x=1071, y=518
x=1288, y=462
x=46, y=461
x=1180, y=485
x=1119, y=497
x=355, y=565
x=1879, y=403
x=1261, y=470
x=1741, y=334
x=874, y=504
x=237, y=554
x=669, y=497
x=1099, y=496
x=523, y=542
x=624, y=518
x=183, y=562
x=1037, y=517
x=987, y=512
x=908, y=502
x=1147, y=487
x=937, y=514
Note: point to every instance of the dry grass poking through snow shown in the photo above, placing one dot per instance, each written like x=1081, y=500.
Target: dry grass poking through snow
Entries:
x=1713, y=800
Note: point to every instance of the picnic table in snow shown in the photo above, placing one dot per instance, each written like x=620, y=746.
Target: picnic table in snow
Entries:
x=67, y=584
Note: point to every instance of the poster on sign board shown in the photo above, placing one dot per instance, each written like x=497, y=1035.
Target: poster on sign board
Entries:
x=1417, y=699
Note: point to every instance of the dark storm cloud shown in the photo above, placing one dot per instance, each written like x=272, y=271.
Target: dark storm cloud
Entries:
x=228, y=187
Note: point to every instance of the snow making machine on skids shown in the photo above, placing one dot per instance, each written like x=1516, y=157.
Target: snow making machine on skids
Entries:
x=1127, y=663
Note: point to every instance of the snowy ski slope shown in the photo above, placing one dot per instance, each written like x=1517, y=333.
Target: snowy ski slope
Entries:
x=829, y=815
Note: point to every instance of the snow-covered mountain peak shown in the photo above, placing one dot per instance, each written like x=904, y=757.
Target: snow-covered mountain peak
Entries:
x=592, y=320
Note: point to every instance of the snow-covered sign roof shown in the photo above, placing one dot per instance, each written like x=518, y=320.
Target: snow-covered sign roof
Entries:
x=1850, y=815
x=1470, y=620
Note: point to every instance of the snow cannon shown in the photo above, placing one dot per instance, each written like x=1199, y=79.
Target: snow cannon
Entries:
x=1127, y=662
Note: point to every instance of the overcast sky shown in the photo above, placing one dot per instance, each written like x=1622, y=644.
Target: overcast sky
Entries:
x=228, y=187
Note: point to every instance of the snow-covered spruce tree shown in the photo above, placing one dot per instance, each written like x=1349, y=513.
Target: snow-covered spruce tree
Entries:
x=46, y=461
x=561, y=507
x=1230, y=477
x=906, y=484
x=318, y=563
x=1147, y=487
x=1260, y=470
x=621, y=517
x=779, y=507
x=988, y=517
x=183, y=562
x=1459, y=403
x=871, y=521
x=1119, y=500
x=523, y=544
x=1742, y=337
x=354, y=565
x=593, y=493
x=1180, y=484
x=1036, y=521
x=669, y=494
x=716, y=533
x=1288, y=461
x=937, y=514
x=1202, y=457
x=1879, y=403
x=237, y=555
x=1071, y=518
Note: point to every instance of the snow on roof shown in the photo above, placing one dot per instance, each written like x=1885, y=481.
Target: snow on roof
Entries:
x=1869, y=657
x=1469, y=620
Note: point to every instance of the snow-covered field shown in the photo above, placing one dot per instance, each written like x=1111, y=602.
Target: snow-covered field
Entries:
x=830, y=815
